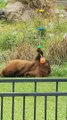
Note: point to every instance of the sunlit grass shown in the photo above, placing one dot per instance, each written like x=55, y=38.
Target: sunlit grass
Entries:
x=2, y=4
x=27, y=32
x=59, y=70
x=29, y=111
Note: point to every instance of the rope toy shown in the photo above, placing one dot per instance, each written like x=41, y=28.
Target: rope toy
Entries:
x=42, y=60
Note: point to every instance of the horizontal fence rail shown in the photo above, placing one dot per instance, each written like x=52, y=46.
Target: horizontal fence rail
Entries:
x=35, y=94
x=32, y=80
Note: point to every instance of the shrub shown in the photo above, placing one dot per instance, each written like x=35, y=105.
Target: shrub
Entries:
x=7, y=41
x=57, y=52
x=23, y=51
x=2, y=4
x=65, y=8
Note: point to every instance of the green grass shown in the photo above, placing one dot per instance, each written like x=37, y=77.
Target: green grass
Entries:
x=59, y=70
x=22, y=32
x=27, y=32
x=18, y=32
x=29, y=87
x=2, y=4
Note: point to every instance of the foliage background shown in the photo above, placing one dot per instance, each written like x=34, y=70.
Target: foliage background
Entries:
x=17, y=38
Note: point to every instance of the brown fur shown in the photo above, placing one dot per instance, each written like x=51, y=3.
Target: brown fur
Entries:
x=25, y=68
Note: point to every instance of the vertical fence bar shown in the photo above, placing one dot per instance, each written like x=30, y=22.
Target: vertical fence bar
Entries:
x=13, y=89
x=35, y=108
x=56, y=103
x=35, y=89
x=12, y=108
x=1, y=108
x=13, y=86
x=56, y=86
x=56, y=108
x=24, y=108
x=45, y=108
x=66, y=108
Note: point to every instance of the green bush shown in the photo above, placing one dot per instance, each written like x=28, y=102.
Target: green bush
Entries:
x=7, y=41
x=2, y=3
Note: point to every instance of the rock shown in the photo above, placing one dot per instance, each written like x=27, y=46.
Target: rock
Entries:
x=2, y=14
x=25, y=10
x=32, y=3
x=25, y=1
x=14, y=11
x=27, y=15
x=65, y=36
x=18, y=12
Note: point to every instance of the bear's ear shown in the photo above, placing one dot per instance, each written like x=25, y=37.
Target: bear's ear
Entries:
x=40, y=52
x=39, y=55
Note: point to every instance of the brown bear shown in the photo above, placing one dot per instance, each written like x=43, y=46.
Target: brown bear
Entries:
x=25, y=68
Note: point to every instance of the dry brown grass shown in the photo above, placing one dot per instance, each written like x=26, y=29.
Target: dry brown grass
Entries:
x=65, y=8
x=23, y=51
x=57, y=52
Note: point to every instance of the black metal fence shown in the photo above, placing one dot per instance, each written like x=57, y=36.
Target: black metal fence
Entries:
x=33, y=94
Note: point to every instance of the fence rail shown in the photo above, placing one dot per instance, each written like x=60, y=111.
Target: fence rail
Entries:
x=34, y=94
